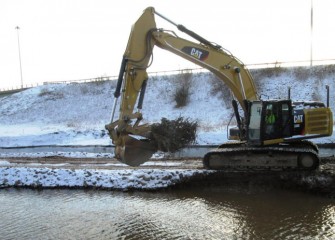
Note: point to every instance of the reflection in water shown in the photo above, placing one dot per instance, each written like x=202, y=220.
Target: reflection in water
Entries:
x=179, y=214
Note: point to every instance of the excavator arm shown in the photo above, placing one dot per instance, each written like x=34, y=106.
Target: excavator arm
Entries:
x=133, y=79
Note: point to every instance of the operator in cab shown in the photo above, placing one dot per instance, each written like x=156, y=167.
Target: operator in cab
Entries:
x=269, y=120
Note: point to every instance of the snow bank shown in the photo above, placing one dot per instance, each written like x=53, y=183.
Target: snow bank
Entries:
x=143, y=179
x=57, y=154
x=75, y=114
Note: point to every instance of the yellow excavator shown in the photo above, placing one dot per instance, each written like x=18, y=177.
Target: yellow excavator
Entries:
x=270, y=133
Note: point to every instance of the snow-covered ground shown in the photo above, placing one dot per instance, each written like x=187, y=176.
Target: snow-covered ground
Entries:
x=75, y=114
x=146, y=179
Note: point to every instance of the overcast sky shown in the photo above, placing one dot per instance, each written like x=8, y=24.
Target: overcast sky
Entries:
x=69, y=39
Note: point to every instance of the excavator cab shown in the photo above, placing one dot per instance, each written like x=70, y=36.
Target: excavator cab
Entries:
x=276, y=121
x=269, y=121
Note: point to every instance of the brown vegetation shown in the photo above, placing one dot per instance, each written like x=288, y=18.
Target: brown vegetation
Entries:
x=181, y=95
x=218, y=87
x=172, y=135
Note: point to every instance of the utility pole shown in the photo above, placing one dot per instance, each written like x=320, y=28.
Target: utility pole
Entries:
x=18, y=43
x=312, y=33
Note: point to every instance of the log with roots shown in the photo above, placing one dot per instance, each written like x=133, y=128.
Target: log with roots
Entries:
x=166, y=136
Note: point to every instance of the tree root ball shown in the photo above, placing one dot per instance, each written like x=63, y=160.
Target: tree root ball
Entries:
x=172, y=135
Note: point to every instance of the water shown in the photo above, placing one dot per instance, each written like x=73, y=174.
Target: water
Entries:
x=194, y=213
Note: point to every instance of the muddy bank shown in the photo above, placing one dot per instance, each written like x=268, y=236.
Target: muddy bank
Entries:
x=158, y=175
x=320, y=182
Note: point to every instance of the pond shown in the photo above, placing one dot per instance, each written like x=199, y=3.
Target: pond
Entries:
x=216, y=212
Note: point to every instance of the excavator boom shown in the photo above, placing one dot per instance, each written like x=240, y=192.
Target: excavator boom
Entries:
x=133, y=76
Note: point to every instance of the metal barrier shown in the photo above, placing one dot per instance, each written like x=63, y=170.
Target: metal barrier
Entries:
x=98, y=79
x=180, y=71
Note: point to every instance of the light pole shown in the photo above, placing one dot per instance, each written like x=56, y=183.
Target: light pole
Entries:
x=312, y=33
x=18, y=43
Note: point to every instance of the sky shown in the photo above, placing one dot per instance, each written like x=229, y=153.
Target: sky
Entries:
x=63, y=40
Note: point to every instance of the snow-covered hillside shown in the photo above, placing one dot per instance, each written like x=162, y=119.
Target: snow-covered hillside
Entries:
x=77, y=113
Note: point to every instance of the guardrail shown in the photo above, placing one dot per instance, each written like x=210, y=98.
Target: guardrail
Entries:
x=97, y=79
x=192, y=70
x=16, y=88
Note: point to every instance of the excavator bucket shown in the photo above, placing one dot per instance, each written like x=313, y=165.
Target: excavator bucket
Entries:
x=135, y=151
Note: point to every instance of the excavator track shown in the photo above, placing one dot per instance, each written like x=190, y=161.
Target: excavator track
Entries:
x=300, y=155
